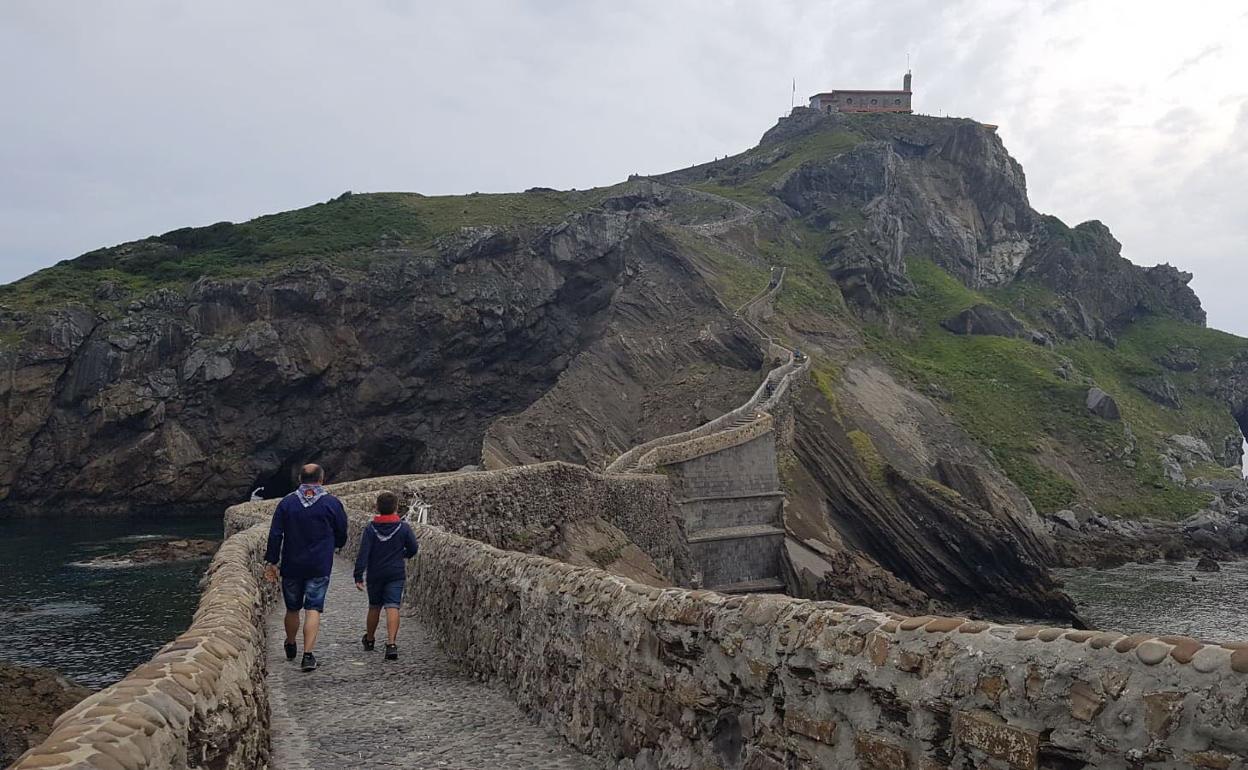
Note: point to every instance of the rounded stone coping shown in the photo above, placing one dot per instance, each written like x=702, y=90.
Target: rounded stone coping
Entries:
x=671, y=454
x=149, y=718
x=1142, y=652
x=781, y=374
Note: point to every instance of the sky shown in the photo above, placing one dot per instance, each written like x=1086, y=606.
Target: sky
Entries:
x=130, y=118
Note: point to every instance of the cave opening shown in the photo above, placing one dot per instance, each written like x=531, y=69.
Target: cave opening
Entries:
x=283, y=481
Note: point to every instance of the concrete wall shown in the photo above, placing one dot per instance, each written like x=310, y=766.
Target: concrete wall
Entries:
x=861, y=101
x=199, y=703
x=693, y=679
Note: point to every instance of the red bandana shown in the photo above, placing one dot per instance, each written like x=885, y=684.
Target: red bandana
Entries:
x=388, y=518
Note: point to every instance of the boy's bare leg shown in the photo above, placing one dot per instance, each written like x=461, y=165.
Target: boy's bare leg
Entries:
x=311, y=625
x=370, y=628
x=392, y=623
x=292, y=625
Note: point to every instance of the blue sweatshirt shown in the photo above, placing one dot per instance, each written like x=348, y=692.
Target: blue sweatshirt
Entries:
x=383, y=549
x=304, y=537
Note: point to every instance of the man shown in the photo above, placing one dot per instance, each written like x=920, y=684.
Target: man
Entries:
x=308, y=526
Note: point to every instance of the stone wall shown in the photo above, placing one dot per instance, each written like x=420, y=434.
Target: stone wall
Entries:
x=198, y=703
x=522, y=508
x=670, y=678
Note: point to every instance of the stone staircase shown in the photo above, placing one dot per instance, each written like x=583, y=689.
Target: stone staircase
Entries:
x=726, y=479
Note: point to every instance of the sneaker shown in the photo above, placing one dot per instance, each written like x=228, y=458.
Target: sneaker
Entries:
x=369, y=644
x=309, y=662
x=392, y=652
x=290, y=650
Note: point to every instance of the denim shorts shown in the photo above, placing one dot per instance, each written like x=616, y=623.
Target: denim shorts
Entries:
x=385, y=594
x=304, y=593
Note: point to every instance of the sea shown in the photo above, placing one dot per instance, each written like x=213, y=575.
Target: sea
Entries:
x=93, y=624
x=1163, y=598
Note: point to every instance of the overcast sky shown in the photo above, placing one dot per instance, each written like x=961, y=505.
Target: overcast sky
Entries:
x=129, y=118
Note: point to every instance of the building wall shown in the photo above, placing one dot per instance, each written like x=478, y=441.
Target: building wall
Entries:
x=861, y=101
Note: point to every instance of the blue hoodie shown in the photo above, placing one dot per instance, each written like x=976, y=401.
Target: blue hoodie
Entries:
x=384, y=546
x=308, y=525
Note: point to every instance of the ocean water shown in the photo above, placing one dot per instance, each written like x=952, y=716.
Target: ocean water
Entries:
x=93, y=624
x=1164, y=598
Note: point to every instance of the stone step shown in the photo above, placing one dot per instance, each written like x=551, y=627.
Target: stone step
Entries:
x=764, y=586
x=734, y=533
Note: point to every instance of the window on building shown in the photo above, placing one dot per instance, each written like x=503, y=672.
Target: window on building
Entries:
x=875, y=101
x=896, y=101
x=849, y=100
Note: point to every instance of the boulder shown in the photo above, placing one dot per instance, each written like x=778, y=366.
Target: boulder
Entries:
x=985, y=320
x=1188, y=449
x=1068, y=518
x=1103, y=405
x=1171, y=469
x=1180, y=359
x=1160, y=390
x=1208, y=564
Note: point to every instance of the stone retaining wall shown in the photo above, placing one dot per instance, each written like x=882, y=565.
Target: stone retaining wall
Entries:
x=671, y=678
x=199, y=703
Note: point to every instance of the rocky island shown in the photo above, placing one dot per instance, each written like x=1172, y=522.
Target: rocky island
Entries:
x=851, y=364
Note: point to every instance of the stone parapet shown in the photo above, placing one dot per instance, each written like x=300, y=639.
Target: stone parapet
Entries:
x=198, y=703
x=676, y=678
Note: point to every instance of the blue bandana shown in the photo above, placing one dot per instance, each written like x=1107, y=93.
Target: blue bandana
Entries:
x=310, y=493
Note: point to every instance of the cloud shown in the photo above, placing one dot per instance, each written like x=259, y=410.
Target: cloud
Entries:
x=146, y=115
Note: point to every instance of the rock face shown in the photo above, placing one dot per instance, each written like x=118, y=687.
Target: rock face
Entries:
x=1100, y=290
x=30, y=699
x=197, y=397
x=985, y=319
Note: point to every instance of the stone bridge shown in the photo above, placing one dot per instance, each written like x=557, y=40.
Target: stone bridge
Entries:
x=512, y=659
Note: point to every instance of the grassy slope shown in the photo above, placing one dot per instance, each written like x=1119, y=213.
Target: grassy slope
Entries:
x=1004, y=392
x=1007, y=394
x=343, y=230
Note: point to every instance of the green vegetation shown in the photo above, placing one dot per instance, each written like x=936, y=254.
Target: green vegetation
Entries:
x=343, y=230
x=1007, y=395
x=869, y=455
x=753, y=189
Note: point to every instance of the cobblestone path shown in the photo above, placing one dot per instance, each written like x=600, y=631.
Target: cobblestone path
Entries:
x=360, y=711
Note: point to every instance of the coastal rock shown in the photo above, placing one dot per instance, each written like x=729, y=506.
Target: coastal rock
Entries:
x=158, y=552
x=30, y=699
x=1207, y=564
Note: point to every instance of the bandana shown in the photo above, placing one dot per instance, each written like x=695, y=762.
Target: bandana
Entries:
x=310, y=493
x=386, y=518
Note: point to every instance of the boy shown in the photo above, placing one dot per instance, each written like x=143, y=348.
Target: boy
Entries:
x=385, y=545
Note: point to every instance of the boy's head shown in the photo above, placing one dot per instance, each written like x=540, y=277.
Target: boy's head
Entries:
x=387, y=503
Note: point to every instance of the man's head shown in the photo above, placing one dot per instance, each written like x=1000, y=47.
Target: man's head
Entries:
x=311, y=474
x=387, y=503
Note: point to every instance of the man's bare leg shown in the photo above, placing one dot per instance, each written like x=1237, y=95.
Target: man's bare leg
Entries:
x=292, y=625
x=311, y=625
x=370, y=628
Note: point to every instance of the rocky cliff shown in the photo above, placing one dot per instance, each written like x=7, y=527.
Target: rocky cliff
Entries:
x=977, y=366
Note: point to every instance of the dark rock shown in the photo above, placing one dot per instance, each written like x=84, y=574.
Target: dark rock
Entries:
x=1208, y=564
x=1160, y=390
x=985, y=320
x=1180, y=359
x=30, y=699
x=159, y=552
x=1103, y=291
x=1174, y=552
x=1102, y=405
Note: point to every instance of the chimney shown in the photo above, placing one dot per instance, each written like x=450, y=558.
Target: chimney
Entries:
x=905, y=82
